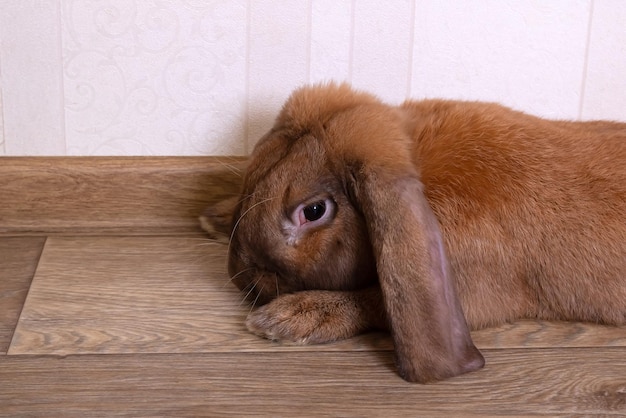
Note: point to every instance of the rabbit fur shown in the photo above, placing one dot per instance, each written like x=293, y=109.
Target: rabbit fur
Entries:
x=438, y=217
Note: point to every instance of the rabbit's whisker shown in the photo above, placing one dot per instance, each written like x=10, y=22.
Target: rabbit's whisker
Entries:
x=248, y=196
x=230, y=168
x=250, y=291
x=256, y=299
x=230, y=279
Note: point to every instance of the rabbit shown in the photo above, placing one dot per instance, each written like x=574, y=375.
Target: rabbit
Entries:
x=428, y=219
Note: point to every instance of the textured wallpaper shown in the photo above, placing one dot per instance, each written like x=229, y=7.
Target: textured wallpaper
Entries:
x=198, y=77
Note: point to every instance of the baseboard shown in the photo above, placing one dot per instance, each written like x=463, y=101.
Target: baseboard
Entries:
x=116, y=195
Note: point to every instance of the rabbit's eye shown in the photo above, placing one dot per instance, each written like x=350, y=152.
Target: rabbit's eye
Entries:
x=309, y=215
x=314, y=211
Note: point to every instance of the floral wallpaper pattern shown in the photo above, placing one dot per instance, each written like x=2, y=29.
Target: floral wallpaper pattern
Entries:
x=206, y=77
x=154, y=77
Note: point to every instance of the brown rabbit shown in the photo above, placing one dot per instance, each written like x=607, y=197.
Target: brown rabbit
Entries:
x=427, y=219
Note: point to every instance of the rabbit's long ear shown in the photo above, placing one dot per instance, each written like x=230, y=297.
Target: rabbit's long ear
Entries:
x=430, y=334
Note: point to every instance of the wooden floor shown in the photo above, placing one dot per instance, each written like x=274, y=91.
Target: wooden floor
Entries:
x=97, y=322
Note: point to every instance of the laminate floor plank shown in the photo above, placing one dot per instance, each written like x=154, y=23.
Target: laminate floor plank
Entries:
x=551, y=382
x=139, y=295
x=18, y=260
x=130, y=294
x=172, y=295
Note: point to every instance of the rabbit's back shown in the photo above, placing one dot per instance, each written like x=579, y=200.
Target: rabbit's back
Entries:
x=533, y=211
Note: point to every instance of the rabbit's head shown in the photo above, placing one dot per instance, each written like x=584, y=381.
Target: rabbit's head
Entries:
x=296, y=226
x=332, y=200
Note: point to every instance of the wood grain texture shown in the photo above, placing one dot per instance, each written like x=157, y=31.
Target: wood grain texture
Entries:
x=515, y=382
x=139, y=295
x=172, y=295
x=546, y=334
x=18, y=261
x=112, y=195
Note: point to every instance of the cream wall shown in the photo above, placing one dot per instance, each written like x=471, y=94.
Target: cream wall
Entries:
x=196, y=77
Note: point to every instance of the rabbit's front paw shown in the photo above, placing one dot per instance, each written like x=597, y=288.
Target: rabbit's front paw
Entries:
x=311, y=317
